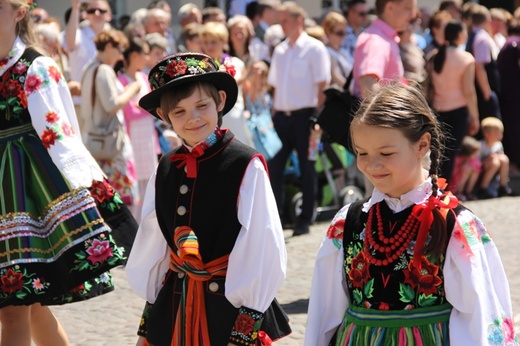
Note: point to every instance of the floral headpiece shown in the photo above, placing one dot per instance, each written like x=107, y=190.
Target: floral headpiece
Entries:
x=32, y=4
x=180, y=68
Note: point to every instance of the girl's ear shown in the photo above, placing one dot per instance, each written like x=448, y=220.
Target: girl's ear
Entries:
x=222, y=103
x=424, y=144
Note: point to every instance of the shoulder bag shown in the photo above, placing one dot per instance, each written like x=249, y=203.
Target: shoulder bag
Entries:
x=104, y=142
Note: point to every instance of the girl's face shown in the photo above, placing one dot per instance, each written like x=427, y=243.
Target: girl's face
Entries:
x=259, y=74
x=337, y=34
x=140, y=59
x=238, y=34
x=195, y=117
x=212, y=46
x=388, y=159
x=9, y=17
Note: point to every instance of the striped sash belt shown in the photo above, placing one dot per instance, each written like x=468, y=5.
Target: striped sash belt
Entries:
x=15, y=132
x=191, y=326
x=398, y=318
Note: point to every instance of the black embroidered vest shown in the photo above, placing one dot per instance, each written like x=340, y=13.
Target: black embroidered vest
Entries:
x=13, y=103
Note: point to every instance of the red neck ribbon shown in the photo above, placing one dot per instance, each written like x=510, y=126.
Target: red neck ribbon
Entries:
x=189, y=160
x=424, y=212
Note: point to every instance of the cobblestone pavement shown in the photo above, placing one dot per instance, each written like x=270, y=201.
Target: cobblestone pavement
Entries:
x=113, y=318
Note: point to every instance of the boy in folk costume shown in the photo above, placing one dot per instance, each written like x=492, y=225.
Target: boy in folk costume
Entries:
x=211, y=252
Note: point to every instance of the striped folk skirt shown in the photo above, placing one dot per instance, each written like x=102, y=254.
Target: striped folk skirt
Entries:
x=55, y=247
x=418, y=327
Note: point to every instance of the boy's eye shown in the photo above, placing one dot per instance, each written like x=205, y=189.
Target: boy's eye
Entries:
x=203, y=105
x=387, y=154
x=361, y=154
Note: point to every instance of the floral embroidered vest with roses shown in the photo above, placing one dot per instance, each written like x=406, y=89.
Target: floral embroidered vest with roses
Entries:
x=13, y=103
x=395, y=286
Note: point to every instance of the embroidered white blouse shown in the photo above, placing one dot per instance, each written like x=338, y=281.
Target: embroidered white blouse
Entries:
x=475, y=282
x=53, y=117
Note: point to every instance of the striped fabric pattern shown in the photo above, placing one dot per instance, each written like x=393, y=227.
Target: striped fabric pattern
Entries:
x=41, y=217
x=424, y=326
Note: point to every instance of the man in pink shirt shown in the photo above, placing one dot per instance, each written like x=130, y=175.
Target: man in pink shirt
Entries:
x=377, y=56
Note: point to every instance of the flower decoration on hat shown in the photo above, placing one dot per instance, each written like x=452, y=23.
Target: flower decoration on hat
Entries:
x=32, y=4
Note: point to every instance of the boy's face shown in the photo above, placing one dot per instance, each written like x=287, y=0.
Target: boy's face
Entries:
x=493, y=135
x=195, y=117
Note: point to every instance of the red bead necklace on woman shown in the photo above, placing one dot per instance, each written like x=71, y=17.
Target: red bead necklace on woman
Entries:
x=387, y=248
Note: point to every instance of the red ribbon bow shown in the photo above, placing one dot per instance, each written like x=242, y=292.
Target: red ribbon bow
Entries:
x=424, y=212
x=189, y=160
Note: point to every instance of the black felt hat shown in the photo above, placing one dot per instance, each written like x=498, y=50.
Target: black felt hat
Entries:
x=177, y=69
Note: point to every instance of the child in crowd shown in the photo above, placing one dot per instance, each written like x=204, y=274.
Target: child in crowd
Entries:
x=494, y=161
x=407, y=266
x=211, y=252
x=466, y=169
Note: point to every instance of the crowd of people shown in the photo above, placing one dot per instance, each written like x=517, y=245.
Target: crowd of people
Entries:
x=86, y=160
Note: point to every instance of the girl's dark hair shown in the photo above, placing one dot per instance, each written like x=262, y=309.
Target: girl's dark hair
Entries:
x=469, y=146
x=170, y=98
x=135, y=44
x=451, y=33
x=405, y=108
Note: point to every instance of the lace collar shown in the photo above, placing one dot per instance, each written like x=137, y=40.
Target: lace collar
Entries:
x=13, y=56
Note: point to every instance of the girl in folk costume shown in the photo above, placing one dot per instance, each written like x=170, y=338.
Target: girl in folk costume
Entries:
x=408, y=266
x=57, y=210
x=211, y=252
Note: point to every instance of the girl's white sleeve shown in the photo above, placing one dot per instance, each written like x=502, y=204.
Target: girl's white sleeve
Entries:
x=149, y=259
x=477, y=287
x=258, y=261
x=329, y=296
x=54, y=119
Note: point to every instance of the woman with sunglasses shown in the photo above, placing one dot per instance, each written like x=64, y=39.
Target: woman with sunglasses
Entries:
x=79, y=40
x=335, y=26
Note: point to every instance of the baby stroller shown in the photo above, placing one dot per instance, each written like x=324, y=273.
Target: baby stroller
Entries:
x=339, y=182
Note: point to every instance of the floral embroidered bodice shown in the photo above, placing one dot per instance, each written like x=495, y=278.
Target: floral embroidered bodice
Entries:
x=394, y=285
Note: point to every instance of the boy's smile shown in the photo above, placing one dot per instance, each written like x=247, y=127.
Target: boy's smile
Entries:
x=195, y=117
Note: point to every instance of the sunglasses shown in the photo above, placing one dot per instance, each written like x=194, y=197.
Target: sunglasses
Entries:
x=339, y=33
x=93, y=10
x=362, y=14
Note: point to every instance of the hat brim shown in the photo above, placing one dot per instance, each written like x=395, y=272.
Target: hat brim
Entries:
x=221, y=80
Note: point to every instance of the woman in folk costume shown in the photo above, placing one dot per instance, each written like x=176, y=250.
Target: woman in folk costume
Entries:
x=57, y=210
x=408, y=266
x=211, y=252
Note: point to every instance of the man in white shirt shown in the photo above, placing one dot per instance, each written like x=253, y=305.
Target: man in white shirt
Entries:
x=300, y=70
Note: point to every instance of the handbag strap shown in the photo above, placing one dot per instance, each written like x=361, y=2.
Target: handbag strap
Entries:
x=93, y=90
x=349, y=80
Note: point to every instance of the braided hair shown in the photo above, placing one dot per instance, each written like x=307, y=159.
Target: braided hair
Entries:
x=405, y=108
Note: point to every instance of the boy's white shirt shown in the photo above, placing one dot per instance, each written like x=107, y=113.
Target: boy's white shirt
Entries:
x=476, y=286
x=257, y=263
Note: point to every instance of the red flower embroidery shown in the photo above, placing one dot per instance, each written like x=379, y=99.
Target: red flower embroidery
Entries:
x=176, y=68
x=67, y=129
x=384, y=306
x=22, y=97
x=20, y=68
x=4, y=62
x=49, y=137
x=52, y=117
x=100, y=251
x=32, y=83
x=508, y=329
x=359, y=270
x=335, y=231
x=244, y=324
x=426, y=279
x=11, y=281
x=77, y=289
x=11, y=88
x=54, y=73
x=101, y=191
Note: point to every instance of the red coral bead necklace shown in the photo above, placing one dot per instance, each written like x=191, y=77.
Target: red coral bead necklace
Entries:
x=388, y=248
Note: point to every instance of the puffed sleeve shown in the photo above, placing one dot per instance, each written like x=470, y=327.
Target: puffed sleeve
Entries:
x=258, y=261
x=329, y=296
x=149, y=258
x=477, y=287
x=54, y=119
